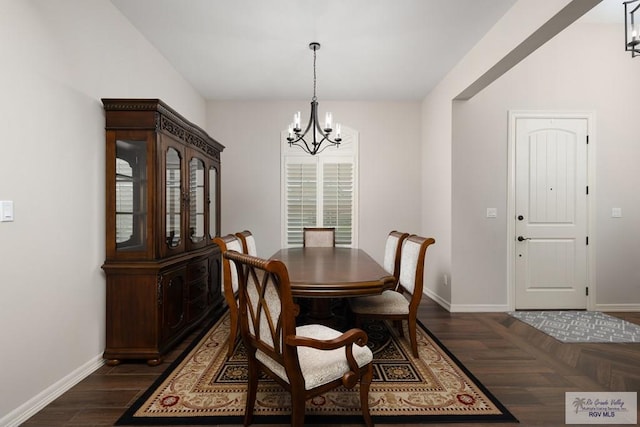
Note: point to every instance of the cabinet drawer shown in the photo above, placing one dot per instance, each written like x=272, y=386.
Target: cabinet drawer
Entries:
x=197, y=307
x=197, y=270
x=197, y=289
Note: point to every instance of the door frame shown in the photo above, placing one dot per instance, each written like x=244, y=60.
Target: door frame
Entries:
x=514, y=115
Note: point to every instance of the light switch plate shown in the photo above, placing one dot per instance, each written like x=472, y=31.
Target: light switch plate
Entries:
x=616, y=212
x=6, y=210
x=492, y=212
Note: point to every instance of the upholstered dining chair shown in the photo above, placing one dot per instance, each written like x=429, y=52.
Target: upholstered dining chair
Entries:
x=392, y=250
x=392, y=304
x=324, y=237
x=248, y=242
x=230, y=242
x=306, y=360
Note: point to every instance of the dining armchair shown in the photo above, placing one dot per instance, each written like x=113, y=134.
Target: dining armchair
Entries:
x=324, y=237
x=230, y=242
x=392, y=304
x=248, y=242
x=306, y=360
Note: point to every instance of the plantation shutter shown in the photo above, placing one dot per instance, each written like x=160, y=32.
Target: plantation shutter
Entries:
x=301, y=199
x=320, y=190
x=337, y=199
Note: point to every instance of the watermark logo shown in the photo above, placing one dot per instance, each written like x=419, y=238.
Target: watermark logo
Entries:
x=601, y=407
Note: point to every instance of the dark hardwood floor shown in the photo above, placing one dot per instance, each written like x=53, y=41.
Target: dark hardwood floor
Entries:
x=528, y=371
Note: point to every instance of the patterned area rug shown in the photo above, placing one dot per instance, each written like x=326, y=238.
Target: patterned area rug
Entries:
x=205, y=387
x=581, y=326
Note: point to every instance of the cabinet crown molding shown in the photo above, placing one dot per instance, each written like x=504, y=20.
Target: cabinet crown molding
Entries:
x=165, y=119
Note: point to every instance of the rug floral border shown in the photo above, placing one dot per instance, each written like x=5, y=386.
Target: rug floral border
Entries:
x=472, y=394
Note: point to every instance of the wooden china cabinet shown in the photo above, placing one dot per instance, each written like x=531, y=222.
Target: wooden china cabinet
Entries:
x=162, y=210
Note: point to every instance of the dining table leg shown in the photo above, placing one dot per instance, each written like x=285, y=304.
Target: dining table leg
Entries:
x=320, y=311
x=324, y=311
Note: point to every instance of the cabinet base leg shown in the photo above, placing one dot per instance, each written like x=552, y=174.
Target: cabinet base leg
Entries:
x=154, y=362
x=113, y=362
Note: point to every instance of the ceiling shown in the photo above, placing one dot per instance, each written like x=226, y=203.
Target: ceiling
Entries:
x=258, y=50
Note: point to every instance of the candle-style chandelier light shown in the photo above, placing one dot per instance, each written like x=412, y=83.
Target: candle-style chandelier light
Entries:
x=319, y=135
x=631, y=27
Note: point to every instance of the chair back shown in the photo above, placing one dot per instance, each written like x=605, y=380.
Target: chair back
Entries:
x=319, y=237
x=392, y=251
x=229, y=273
x=267, y=311
x=414, y=250
x=248, y=242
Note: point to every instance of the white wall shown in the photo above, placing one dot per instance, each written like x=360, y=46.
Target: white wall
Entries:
x=58, y=59
x=389, y=166
x=558, y=77
x=527, y=25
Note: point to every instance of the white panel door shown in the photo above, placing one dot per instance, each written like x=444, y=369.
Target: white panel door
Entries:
x=551, y=213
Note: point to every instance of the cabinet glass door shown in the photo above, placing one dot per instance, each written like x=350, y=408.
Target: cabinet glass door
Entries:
x=196, y=200
x=213, y=203
x=131, y=195
x=173, y=198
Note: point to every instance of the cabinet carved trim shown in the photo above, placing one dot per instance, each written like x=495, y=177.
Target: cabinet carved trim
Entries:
x=166, y=119
x=188, y=136
x=159, y=288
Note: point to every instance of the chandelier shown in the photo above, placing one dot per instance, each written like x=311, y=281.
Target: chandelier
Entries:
x=319, y=134
x=631, y=29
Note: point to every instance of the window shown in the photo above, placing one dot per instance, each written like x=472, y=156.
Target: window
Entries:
x=320, y=191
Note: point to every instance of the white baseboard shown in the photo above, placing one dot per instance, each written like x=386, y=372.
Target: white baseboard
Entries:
x=479, y=308
x=445, y=304
x=466, y=308
x=617, y=307
x=42, y=399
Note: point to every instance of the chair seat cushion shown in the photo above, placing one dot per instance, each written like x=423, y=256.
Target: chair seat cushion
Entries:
x=319, y=366
x=389, y=302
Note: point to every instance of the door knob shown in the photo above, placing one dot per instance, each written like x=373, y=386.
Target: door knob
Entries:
x=520, y=217
x=522, y=239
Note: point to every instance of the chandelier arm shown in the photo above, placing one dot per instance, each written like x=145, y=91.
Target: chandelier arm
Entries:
x=302, y=145
x=337, y=144
x=325, y=135
x=316, y=125
x=310, y=120
x=305, y=147
x=313, y=123
x=326, y=138
x=315, y=149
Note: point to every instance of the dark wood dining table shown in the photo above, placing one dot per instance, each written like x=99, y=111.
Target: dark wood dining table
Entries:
x=322, y=274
